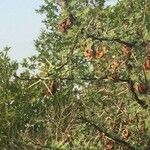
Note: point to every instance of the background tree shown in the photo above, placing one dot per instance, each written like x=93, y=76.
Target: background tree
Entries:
x=88, y=88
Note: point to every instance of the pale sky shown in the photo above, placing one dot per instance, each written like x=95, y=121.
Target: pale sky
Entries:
x=20, y=26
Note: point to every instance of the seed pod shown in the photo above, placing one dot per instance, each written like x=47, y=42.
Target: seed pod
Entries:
x=125, y=133
x=89, y=54
x=127, y=51
x=115, y=77
x=147, y=63
x=115, y=65
x=142, y=88
x=109, y=145
x=99, y=54
x=64, y=25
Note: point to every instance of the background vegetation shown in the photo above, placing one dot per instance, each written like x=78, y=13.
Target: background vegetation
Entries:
x=88, y=87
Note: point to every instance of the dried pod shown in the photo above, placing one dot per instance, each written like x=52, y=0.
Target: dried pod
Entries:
x=142, y=88
x=147, y=63
x=110, y=145
x=115, y=65
x=115, y=77
x=89, y=54
x=127, y=51
x=99, y=54
x=62, y=26
x=125, y=133
x=66, y=24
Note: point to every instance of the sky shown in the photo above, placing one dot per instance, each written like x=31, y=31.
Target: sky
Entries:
x=20, y=26
x=110, y=2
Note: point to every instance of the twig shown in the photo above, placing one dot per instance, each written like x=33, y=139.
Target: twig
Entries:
x=132, y=90
x=109, y=135
x=130, y=44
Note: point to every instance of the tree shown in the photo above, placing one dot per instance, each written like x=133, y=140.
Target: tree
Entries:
x=88, y=88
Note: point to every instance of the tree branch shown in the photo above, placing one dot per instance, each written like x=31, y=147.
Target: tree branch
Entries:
x=132, y=90
x=129, y=44
x=128, y=81
x=27, y=78
x=113, y=137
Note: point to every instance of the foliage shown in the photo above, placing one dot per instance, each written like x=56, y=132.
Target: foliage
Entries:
x=88, y=87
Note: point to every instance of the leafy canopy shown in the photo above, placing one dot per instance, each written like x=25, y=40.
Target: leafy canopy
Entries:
x=88, y=87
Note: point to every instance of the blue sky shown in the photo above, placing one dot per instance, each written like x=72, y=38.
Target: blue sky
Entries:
x=20, y=26
x=110, y=2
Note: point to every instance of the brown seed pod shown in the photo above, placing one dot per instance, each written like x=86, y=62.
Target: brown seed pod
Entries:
x=89, y=54
x=142, y=88
x=99, y=54
x=125, y=133
x=147, y=63
x=64, y=25
x=115, y=64
x=127, y=51
x=115, y=77
x=110, y=145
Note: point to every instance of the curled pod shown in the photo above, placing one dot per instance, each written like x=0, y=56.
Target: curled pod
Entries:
x=142, y=88
x=127, y=51
x=147, y=63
